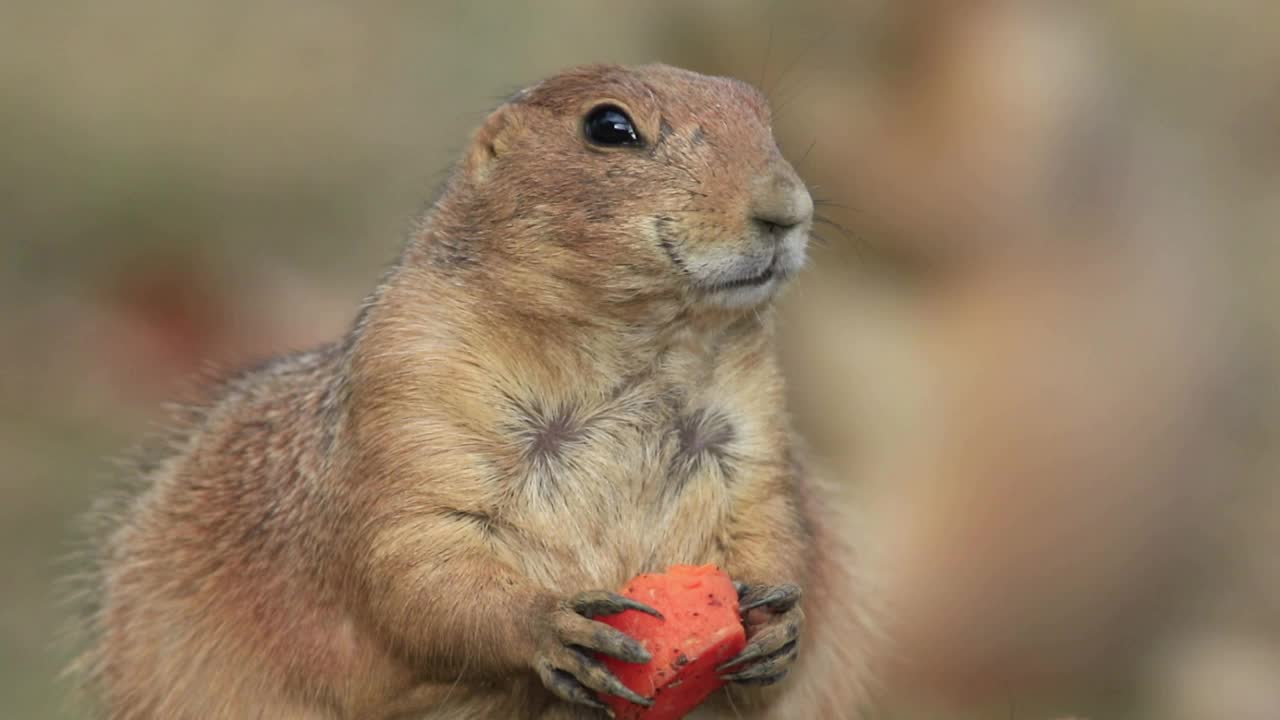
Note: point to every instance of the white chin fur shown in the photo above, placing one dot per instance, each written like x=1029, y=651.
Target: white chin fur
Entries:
x=790, y=261
x=745, y=297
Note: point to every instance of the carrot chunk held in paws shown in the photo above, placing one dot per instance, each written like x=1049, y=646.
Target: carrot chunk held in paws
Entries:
x=700, y=630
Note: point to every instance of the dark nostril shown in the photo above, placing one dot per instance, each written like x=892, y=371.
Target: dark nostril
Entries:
x=779, y=204
x=775, y=226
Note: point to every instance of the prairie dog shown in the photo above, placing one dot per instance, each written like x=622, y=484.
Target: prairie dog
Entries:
x=568, y=379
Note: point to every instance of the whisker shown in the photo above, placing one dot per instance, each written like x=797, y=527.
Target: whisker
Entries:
x=819, y=240
x=805, y=156
x=826, y=202
x=732, y=706
x=850, y=240
x=791, y=66
x=784, y=102
x=824, y=220
x=764, y=66
x=778, y=83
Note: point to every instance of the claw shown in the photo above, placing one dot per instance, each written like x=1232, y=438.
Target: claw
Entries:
x=780, y=598
x=617, y=688
x=573, y=629
x=758, y=682
x=566, y=687
x=634, y=652
x=773, y=647
x=770, y=665
x=764, y=681
x=566, y=661
x=607, y=640
x=749, y=653
x=594, y=604
x=595, y=676
x=764, y=647
x=751, y=673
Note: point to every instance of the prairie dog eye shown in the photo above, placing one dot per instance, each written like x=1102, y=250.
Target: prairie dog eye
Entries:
x=610, y=125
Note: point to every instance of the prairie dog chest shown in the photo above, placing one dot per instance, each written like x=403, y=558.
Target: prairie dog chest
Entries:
x=634, y=480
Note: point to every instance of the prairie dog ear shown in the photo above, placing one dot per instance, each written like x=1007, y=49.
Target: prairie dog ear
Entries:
x=495, y=138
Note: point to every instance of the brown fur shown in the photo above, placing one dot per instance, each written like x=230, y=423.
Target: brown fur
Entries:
x=537, y=401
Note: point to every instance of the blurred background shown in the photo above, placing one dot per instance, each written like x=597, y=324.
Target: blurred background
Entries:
x=1038, y=342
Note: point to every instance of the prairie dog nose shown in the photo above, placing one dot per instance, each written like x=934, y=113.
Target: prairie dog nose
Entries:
x=779, y=201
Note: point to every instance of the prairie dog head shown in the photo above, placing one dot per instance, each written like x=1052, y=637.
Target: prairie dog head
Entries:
x=642, y=182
